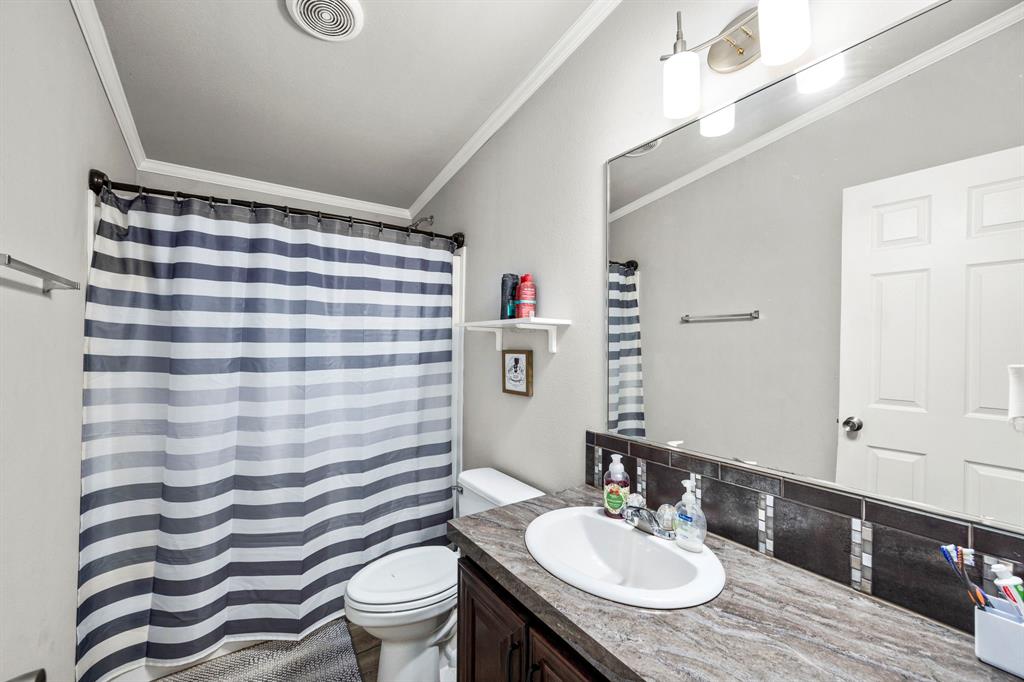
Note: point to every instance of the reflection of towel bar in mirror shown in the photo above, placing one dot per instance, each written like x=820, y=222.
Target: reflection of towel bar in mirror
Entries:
x=50, y=280
x=753, y=315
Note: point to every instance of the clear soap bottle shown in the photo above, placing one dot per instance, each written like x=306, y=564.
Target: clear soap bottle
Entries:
x=690, y=524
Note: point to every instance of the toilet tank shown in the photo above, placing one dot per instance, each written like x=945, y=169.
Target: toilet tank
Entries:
x=486, y=488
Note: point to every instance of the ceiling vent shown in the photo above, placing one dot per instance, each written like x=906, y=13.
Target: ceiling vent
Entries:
x=332, y=20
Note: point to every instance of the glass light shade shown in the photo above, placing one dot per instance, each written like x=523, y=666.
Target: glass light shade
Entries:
x=719, y=123
x=785, y=27
x=822, y=75
x=681, y=85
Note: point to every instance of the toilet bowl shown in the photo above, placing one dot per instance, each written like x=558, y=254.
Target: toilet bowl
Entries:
x=408, y=599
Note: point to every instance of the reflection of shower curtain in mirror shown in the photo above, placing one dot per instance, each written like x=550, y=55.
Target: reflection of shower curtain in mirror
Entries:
x=625, y=370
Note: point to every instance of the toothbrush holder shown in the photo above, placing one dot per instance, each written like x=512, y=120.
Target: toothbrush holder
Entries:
x=999, y=637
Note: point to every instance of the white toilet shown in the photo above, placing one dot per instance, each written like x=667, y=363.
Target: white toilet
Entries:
x=407, y=599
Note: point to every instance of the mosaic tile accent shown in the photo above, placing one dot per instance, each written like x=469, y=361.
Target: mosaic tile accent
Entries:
x=597, y=472
x=766, y=524
x=861, y=534
x=641, y=478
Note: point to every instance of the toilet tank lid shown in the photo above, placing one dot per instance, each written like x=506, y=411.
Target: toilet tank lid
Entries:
x=496, y=487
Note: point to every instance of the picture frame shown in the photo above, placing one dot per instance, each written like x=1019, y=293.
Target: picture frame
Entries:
x=517, y=372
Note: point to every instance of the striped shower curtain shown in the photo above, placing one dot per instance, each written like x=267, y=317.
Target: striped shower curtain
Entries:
x=625, y=369
x=267, y=407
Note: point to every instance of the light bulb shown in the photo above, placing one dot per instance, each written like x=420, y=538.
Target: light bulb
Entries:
x=719, y=123
x=681, y=85
x=785, y=27
x=822, y=75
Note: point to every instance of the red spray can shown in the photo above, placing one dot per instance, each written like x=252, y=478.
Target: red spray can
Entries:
x=526, y=297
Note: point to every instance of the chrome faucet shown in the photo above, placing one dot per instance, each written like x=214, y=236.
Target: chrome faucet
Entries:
x=644, y=519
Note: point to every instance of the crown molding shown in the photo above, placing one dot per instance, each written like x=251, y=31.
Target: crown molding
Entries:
x=99, y=48
x=238, y=182
x=585, y=24
x=911, y=66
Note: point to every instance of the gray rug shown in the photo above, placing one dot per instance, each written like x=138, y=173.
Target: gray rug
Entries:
x=326, y=655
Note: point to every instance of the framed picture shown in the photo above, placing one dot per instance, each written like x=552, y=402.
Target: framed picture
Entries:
x=517, y=372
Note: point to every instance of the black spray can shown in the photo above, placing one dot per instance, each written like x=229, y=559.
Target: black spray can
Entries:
x=509, y=282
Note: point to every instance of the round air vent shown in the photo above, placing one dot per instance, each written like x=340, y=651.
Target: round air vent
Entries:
x=332, y=20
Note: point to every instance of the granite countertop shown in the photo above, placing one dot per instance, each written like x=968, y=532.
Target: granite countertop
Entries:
x=772, y=620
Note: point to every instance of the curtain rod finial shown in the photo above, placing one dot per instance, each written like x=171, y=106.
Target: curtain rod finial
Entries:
x=97, y=179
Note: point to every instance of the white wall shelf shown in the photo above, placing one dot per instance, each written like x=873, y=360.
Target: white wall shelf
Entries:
x=497, y=327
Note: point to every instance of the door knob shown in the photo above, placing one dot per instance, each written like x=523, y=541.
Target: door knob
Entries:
x=852, y=424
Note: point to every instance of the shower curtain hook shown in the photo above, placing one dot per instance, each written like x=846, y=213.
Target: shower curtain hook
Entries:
x=287, y=214
x=209, y=201
x=252, y=207
x=319, y=219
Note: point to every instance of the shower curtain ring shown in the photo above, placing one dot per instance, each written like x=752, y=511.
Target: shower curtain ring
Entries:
x=209, y=201
x=319, y=218
x=287, y=214
x=252, y=207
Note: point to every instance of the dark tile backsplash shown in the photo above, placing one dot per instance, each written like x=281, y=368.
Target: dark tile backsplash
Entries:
x=649, y=452
x=749, y=479
x=663, y=485
x=694, y=464
x=920, y=524
x=613, y=443
x=731, y=511
x=814, y=539
x=998, y=543
x=886, y=550
x=908, y=570
x=823, y=499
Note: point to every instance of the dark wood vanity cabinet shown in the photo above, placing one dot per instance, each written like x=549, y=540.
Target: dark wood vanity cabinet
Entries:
x=499, y=641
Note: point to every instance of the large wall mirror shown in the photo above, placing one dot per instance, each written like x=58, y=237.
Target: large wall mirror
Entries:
x=861, y=230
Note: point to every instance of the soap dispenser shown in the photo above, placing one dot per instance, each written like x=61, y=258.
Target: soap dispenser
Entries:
x=690, y=524
x=616, y=488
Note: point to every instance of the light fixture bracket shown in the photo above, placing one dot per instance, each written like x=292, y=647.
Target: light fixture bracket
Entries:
x=738, y=47
x=735, y=47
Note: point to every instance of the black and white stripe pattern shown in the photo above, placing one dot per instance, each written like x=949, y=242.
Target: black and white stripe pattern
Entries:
x=625, y=369
x=267, y=408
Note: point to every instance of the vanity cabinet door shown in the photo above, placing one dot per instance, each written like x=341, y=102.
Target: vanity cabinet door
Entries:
x=492, y=633
x=548, y=664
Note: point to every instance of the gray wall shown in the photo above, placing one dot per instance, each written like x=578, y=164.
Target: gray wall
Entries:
x=533, y=200
x=765, y=232
x=56, y=124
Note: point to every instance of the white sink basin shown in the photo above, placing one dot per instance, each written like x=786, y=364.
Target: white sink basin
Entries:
x=611, y=559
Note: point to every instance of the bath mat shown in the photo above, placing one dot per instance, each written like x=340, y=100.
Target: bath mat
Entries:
x=326, y=655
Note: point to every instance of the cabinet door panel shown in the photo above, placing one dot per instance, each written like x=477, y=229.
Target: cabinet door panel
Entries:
x=548, y=664
x=492, y=633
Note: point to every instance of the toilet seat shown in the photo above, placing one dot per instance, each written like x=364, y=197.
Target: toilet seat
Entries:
x=407, y=580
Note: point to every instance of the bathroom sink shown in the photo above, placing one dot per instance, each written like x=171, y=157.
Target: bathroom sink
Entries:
x=611, y=559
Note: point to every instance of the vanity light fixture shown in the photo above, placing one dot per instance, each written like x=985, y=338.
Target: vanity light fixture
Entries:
x=822, y=75
x=787, y=28
x=719, y=123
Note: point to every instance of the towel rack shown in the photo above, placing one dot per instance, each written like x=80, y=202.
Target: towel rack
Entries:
x=752, y=315
x=50, y=280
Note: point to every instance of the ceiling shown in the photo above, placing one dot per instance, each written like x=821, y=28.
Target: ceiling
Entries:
x=235, y=87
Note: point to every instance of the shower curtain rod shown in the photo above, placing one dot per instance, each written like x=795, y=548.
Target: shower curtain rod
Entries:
x=98, y=180
x=629, y=264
